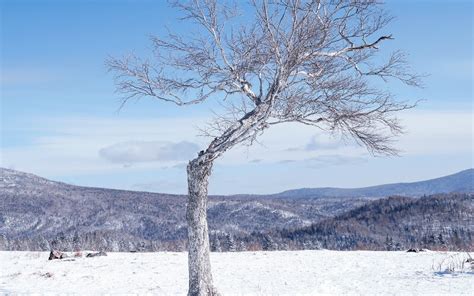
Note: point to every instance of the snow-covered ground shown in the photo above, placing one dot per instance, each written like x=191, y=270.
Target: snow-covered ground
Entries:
x=246, y=273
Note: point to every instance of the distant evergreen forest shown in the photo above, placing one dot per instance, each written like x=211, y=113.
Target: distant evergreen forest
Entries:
x=437, y=222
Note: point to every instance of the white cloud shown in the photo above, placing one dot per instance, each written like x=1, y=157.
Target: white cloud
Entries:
x=437, y=132
x=70, y=146
x=333, y=160
x=318, y=142
x=63, y=146
x=167, y=185
x=146, y=151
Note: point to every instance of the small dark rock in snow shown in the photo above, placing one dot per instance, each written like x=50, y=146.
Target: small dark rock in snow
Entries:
x=415, y=250
x=54, y=254
x=101, y=253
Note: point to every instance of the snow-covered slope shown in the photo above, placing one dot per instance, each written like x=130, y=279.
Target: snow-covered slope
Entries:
x=244, y=273
x=38, y=214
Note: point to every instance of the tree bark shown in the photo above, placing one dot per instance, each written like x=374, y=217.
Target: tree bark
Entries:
x=200, y=276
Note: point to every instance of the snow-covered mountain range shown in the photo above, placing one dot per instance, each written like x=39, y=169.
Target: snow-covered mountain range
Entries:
x=38, y=214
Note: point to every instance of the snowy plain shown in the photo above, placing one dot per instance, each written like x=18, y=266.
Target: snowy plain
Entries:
x=319, y=272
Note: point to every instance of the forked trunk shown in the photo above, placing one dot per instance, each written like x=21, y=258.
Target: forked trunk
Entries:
x=200, y=276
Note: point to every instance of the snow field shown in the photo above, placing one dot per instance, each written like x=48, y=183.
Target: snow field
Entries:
x=319, y=272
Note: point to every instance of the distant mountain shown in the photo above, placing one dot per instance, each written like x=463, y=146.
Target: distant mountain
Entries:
x=462, y=182
x=36, y=213
x=39, y=214
x=443, y=222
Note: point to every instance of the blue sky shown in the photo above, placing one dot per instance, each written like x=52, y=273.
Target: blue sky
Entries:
x=59, y=114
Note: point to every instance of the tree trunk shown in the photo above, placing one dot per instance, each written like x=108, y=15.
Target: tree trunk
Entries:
x=200, y=276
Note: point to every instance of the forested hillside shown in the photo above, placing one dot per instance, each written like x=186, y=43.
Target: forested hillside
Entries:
x=38, y=214
x=441, y=222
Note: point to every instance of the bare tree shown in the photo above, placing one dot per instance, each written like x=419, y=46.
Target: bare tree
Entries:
x=270, y=62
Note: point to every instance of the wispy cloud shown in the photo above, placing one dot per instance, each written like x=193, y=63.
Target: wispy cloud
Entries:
x=333, y=160
x=65, y=146
x=180, y=165
x=160, y=186
x=285, y=161
x=70, y=147
x=26, y=76
x=147, y=151
x=320, y=142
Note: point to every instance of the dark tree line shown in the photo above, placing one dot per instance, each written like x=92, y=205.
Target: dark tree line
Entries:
x=441, y=222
